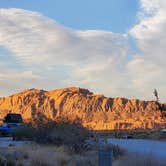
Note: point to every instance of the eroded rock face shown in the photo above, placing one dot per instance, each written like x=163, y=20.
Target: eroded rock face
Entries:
x=96, y=112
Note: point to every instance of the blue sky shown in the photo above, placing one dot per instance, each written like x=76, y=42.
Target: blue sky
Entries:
x=113, y=47
x=115, y=15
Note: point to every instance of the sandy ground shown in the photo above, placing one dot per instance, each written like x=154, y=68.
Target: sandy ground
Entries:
x=8, y=141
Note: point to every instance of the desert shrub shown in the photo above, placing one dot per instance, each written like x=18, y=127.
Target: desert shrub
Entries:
x=88, y=158
x=24, y=132
x=79, y=160
x=45, y=155
x=3, y=160
x=8, y=160
x=68, y=134
x=58, y=133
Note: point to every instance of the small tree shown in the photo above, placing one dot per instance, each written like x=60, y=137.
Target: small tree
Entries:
x=156, y=95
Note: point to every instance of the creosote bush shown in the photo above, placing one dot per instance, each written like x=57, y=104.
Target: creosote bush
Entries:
x=49, y=132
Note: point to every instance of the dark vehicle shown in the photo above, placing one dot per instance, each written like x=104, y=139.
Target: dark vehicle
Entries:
x=10, y=123
x=13, y=118
x=127, y=137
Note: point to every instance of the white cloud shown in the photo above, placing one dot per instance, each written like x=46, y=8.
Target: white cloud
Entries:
x=52, y=55
x=36, y=39
x=148, y=70
x=11, y=80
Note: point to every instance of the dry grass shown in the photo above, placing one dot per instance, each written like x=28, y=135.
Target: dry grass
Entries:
x=37, y=155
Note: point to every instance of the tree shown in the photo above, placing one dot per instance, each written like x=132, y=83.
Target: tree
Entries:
x=156, y=95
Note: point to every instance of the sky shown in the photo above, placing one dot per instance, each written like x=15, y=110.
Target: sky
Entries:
x=112, y=47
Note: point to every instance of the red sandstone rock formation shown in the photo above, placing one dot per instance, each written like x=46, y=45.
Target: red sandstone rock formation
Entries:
x=94, y=111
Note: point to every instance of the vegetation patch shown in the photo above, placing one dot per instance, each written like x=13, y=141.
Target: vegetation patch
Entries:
x=58, y=133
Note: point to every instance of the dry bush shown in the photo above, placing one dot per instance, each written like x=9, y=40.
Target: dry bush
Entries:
x=3, y=160
x=37, y=155
x=88, y=158
x=42, y=158
x=57, y=133
x=12, y=157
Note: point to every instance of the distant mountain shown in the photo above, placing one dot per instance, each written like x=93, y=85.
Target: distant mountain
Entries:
x=96, y=112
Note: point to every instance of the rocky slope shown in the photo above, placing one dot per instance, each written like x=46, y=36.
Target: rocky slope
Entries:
x=94, y=111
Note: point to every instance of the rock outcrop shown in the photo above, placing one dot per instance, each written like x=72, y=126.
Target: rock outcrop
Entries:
x=96, y=112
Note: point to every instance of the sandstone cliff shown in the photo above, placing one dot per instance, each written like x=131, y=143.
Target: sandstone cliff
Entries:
x=95, y=111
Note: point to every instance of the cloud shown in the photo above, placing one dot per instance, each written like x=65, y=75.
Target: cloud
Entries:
x=150, y=31
x=35, y=39
x=11, y=80
x=148, y=69
x=52, y=55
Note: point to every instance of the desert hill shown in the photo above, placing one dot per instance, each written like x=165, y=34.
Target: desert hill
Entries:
x=94, y=111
